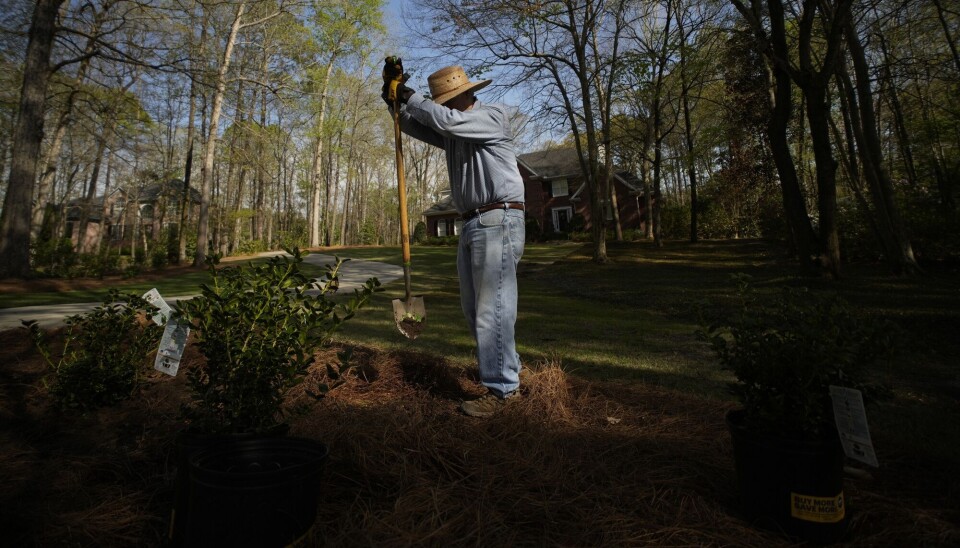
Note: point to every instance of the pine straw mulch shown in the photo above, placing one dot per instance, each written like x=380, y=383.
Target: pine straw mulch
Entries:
x=572, y=463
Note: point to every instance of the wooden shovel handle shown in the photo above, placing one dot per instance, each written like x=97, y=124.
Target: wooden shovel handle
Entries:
x=402, y=188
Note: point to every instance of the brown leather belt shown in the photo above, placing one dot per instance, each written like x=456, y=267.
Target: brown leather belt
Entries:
x=490, y=207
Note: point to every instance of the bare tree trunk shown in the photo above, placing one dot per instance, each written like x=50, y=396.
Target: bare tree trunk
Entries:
x=903, y=138
x=852, y=165
x=657, y=168
x=259, y=215
x=899, y=252
x=818, y=114
x=244, y=135
x=688, y=134
x=317, y=175
x=813, y=80
x=104, y=209
x=186, y=202
x=45, y=189
x=347, y=196
x=946, y=32
x=206, y=172
x=938, y=156
x=27, y=137
x=645, y=171
x=91, y=192
x=332, y=193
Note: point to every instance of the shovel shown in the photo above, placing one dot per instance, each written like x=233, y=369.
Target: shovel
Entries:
x=410, y=312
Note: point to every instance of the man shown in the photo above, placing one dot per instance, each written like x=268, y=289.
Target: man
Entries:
x=487, y=192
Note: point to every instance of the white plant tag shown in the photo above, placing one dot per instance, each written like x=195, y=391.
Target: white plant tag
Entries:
x=172, y=343
x=153, y=297
x=851, y=418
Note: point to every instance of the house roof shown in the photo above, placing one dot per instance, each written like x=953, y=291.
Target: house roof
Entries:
x=442, y=207
x=559, y=163
x=172, y=187
x=150, y=194
x=553, y=163
x=147, y=195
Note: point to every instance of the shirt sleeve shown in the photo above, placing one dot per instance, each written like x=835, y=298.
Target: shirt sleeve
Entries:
x=478, y=125
x=413, y=128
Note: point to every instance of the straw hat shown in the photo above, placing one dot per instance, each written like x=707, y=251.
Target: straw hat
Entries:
x=448, y=82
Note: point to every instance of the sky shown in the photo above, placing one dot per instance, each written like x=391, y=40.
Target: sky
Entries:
x=393, y=20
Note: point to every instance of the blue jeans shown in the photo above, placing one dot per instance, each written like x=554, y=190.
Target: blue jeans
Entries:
x=491, y=245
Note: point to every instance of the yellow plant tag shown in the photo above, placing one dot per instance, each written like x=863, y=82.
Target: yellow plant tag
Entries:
x=817, y=509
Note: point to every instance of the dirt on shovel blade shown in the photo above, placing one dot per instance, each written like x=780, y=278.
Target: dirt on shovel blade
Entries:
x=411, y=328
x=410, y=316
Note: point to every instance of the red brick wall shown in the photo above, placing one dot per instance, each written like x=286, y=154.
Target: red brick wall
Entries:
x=432, y=224
x=540, y=203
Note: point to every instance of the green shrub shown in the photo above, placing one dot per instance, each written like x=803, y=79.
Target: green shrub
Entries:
x=577, y=223
x=259, y=328
x=442, y=240
x=297, y=235
x=580, y=236
x=250, y=247
x=95, y=265
x=54, y=257
x=139, y=257
x=368, y=232
x=787, y=353
x=158, y=256
x=103, y=352
x=533, y=231
x=420, y=233
x=675, y=221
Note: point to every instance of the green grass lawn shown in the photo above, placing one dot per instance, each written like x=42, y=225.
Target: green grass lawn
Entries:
x=634, y=320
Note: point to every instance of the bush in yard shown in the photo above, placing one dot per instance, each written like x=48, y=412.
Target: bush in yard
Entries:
x=453, y=239
x=259, y=328
x=250, y=247
x=158, y=255
x=296, y=234
x=533, y=231
x=96, y=265
x=54, y=257
x=786, y=354
x=103, y=352
x=420, y=233
x=675, y=221
x=577, y=223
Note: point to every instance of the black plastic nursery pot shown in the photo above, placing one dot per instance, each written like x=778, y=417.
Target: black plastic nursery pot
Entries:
x=792, y=486
x=253, y=492
x=189, y=443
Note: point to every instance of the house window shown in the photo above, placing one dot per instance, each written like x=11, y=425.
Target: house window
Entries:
x=559, y=188
x=457, y=226
x=442, y=227
x=561, y=218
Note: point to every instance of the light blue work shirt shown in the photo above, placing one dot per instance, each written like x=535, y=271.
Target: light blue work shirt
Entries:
x=481, y=159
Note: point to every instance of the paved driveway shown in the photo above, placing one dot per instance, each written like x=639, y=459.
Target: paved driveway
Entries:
x=352, y=276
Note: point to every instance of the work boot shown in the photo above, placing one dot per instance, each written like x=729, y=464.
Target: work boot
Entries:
x=487, y=405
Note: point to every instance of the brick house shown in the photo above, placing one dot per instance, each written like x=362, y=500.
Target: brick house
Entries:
x=555, y=192
x=442, y=218
x=157, y=208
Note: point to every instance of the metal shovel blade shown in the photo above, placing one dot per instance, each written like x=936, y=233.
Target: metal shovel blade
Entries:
x=410, y=315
